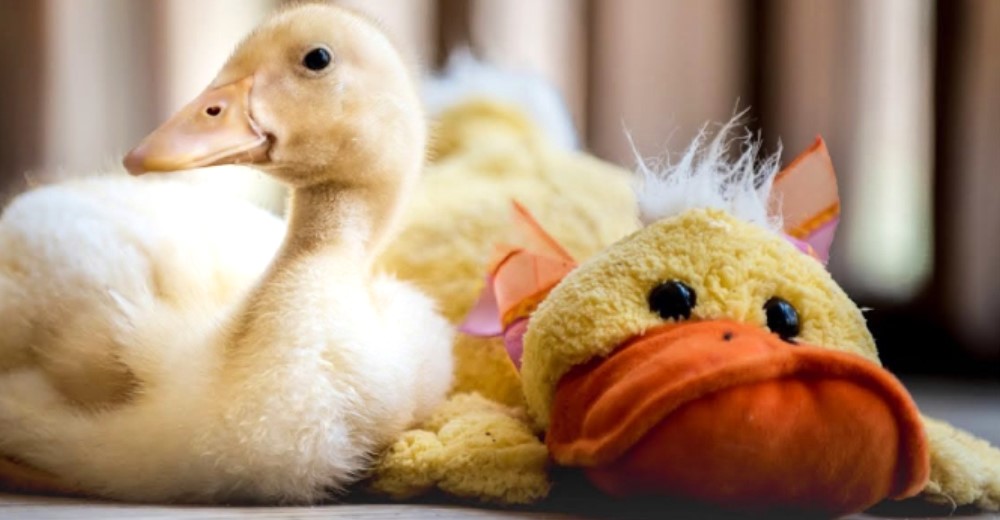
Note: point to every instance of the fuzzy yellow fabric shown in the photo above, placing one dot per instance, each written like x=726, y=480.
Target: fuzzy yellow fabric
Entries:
x=471, y=448
x=964, y=469
x=484, y=154
x=734, y=268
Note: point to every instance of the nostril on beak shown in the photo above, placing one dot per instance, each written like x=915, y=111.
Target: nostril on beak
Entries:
x=728, y=335
x=213, y=110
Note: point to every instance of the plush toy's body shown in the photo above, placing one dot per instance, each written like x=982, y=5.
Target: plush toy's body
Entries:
x=486, y=152
x=497, y=138
x=708, y=355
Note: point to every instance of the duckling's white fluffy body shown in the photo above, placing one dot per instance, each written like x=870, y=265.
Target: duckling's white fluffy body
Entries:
x=120, y=273
x=84, y=263
x=162, y=343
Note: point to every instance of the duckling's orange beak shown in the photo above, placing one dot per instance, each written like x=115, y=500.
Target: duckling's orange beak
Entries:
x=729, y=414
x=215, y=128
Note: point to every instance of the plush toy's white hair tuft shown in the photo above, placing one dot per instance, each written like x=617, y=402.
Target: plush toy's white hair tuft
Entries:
x=705, y=178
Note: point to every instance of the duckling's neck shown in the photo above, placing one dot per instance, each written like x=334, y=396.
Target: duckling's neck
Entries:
x=351, y=220
x=344, y=220
x=334, y=230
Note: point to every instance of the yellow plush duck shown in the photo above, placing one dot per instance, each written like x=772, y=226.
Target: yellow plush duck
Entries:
x=708, y=356
x=495, y=137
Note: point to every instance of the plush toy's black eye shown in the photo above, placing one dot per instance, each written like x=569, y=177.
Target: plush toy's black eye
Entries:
x=317, y=59
x=672, y=299
x=782, y=318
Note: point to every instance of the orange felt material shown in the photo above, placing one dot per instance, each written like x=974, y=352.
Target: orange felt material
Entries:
x=730, y=414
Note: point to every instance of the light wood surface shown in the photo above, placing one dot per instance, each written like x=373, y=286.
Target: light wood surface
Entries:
x=974, y=406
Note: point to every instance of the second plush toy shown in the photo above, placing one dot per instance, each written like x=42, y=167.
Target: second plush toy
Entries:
x=707, y=356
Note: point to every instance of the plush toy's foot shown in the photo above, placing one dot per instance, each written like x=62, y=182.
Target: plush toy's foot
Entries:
x=471, y=448
x=965, y=470
x=730, y=414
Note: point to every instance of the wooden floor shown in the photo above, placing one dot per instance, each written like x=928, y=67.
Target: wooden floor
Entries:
x=973, y=406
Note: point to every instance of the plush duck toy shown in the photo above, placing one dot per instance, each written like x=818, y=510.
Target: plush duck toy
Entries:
x=707, y=356
x=487, y=149
x=496, y=137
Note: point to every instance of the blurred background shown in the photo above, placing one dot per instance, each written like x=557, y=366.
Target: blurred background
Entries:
x=905, y=92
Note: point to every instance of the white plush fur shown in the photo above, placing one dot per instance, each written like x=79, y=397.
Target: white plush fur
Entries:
x=245, y=383
x=705, y=177
x=466, y=77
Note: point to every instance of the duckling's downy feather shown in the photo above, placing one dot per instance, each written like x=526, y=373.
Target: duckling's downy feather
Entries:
x=129, y=306
x=162, y=342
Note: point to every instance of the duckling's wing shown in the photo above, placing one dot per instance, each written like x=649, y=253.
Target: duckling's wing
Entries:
x=96, y=269
x=965, y=470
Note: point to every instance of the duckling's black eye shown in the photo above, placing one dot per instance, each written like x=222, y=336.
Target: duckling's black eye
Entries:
x=317, y=59
x=782, y=318
x=672, y=299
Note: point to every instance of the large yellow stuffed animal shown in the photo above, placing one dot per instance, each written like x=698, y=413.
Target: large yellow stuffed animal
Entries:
x=486, y=152
x=708, y=356
x=496, y=138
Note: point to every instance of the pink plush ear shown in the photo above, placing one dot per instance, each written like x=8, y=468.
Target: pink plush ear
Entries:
x=517, y=280
x=539, y=241
x=484, y=318
x=805, y=193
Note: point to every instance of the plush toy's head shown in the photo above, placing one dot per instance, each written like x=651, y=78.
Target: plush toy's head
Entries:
x=710, y=355
x=701, y=266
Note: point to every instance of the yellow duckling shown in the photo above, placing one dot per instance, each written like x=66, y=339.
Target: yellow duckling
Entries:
x=285, y=385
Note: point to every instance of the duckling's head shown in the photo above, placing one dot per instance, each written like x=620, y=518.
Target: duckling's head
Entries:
x=315, y=93
x=707, y=356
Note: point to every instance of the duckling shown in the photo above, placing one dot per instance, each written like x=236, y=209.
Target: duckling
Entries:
x=274, y=377
x=711, y=356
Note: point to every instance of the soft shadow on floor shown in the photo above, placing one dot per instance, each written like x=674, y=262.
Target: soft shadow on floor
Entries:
x=573, y=497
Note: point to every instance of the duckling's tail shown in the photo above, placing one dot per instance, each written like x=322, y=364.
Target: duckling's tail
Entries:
x=471, y=101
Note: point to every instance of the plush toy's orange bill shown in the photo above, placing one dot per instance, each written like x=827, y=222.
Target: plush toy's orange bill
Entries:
x=728, y=413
